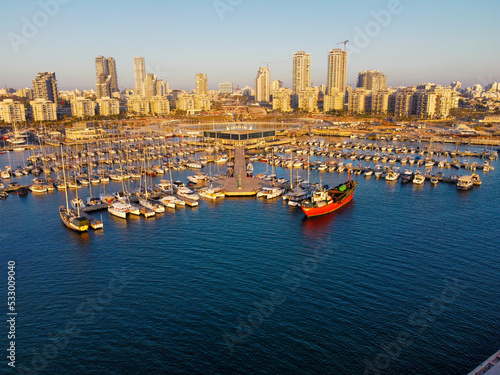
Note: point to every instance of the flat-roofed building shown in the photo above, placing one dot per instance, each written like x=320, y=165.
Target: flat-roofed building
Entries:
x=12, y=112
x=108, y=106
x=308, y=99
x=333, y=102
x=44, y=110
x=159, y=105
x=82, y=108
x=282, y=99
x=138, y=105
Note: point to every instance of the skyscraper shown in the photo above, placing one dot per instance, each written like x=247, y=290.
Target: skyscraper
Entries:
x=45, y=86
x=301, y=72
x=150, y=86
x=201, y=84
x=263, y=85
x=140, y=75
x=103, y=86
x=101, y=66
x=337, y=62
x=106, y=78
x=113, y=74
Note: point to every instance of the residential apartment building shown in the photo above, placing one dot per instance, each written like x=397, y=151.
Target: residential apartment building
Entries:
x=45, y=86
x=108, y=106
x=372, y=80
x=12, y=112
x=44, y=110
x=308, y=99
x=159, y=105
x=263, y=85
x=282, y=99
x=82, y=108
x=337, y=69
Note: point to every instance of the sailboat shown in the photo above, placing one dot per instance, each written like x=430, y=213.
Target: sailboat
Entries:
x=70, y=217
x=121, y=208
x=146, y=203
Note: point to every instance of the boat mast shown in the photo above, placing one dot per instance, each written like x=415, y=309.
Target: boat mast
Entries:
x=145, y=174
x=64, y=177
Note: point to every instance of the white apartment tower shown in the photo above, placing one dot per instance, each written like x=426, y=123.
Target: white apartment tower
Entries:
x=263, y=85
x=140, y=76
x=337, y=63
x=201, y=84
x=301, y=72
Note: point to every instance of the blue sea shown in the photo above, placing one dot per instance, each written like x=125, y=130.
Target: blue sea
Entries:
x=403, y=280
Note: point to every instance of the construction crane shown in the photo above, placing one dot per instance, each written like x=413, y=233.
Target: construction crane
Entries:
x=272, y=62
x=344, y=43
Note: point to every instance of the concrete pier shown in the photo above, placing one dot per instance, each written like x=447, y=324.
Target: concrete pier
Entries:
x=240, y=185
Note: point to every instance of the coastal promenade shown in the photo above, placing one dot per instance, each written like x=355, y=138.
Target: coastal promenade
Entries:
x=240, y=185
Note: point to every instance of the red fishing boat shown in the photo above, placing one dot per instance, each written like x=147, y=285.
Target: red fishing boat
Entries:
x=326, y=201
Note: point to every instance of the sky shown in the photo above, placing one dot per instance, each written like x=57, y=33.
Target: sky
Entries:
x=411, y=41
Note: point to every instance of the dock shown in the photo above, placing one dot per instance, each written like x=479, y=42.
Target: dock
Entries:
x=240, y=185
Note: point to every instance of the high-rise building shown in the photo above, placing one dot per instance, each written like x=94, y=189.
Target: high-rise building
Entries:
x=281, y=99
x=150, y=86
x=301, y=72
x=12, y=112
x=263, y=85
x=101, y=66
x=201, y=84
x=337, y=64
x=106, y=78
x=140, y=75
x=44, y=110
x=103, y=86
x=45, y=86
x=113, y=74
x=226, y=88
x=372, y=80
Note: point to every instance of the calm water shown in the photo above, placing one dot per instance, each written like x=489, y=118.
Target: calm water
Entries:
x=404, y=280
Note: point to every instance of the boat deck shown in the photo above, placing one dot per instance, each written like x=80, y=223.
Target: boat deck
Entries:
x=489, y=367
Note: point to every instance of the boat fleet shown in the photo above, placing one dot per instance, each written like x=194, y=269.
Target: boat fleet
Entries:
x=122, y=161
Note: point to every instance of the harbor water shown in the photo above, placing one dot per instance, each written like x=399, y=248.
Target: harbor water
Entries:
x=403, y=280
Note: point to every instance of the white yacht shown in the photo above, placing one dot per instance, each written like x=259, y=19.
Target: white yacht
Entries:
x=120, y=209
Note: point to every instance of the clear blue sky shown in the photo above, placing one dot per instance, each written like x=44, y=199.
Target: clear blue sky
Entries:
x=424, y=40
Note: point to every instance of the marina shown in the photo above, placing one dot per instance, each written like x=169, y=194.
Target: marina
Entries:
x=198, y=244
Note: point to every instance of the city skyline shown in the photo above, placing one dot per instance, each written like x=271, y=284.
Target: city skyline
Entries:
x=411, y=43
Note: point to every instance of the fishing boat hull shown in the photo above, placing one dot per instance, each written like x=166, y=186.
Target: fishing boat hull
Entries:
x=340, y=199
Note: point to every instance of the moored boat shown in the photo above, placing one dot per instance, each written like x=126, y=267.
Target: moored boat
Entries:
x=323, y=202
x=72, y=220
x=465, y=183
